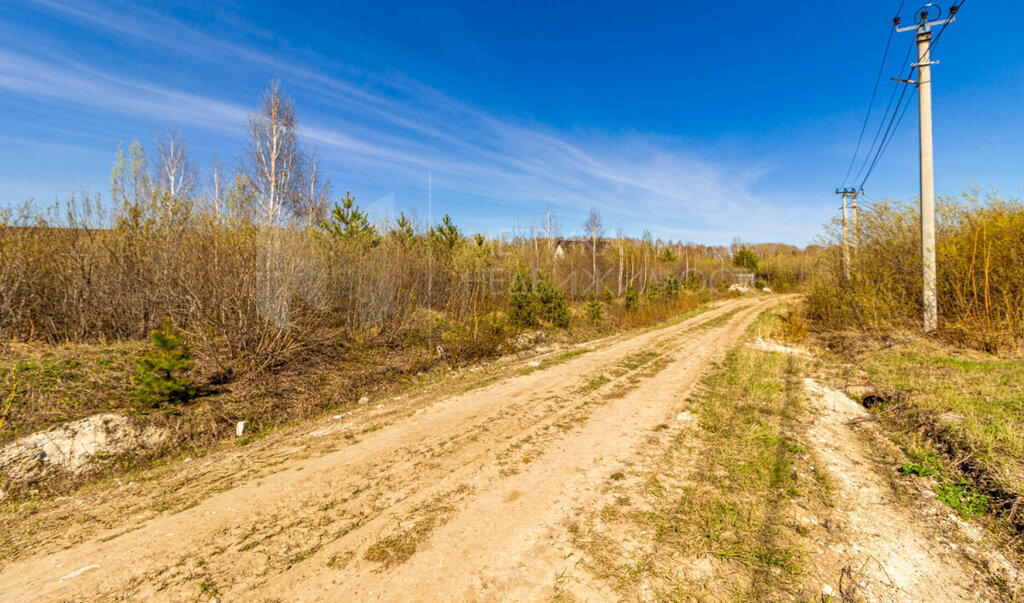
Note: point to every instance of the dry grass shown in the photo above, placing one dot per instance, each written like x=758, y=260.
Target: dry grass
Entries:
x=416, y=528
x=283, y=322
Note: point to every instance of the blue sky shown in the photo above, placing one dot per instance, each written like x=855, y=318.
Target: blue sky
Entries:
x=698, y=121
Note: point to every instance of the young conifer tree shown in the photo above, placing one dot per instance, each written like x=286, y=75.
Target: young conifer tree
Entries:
x=160, y=372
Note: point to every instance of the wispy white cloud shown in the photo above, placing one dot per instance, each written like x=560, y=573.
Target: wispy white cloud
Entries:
x=398, y=129
x=81, y=84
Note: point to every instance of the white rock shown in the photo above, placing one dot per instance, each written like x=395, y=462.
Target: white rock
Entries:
x=534, y=363
x=684, y=416
x=240, y=428
x=364, y=400
x=74, y=445
x=826, y=591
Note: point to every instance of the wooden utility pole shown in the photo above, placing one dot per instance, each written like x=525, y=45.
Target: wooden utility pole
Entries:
x=924, y=104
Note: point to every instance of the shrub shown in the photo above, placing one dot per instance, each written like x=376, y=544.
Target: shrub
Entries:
x=160, y=372
x=593, y=308
x=446, y=234
x=349, y=223
x=522, y=310
x=551, y=302
x=632, y=299
x=671, y=285
x=980, y=275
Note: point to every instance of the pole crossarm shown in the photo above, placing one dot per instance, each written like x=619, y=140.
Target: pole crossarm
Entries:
x=926, y=25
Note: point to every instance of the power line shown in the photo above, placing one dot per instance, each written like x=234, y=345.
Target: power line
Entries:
x=881, y=124
x=894, y=122
x=886, y=141
x=874, y=91
x=952, y=11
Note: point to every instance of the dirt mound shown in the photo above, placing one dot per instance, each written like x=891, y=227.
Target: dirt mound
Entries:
x=73, y=446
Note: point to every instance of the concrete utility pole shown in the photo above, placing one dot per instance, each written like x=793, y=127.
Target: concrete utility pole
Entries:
x=924, y=104
x=846, y=192
x=856, y=233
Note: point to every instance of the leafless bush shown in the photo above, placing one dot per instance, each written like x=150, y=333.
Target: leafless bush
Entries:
x=980, y=253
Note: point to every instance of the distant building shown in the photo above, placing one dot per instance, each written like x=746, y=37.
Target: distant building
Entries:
x=744, y=278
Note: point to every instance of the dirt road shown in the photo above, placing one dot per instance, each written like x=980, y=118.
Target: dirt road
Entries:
x=458, y=497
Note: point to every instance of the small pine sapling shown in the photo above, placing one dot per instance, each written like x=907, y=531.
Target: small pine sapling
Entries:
x=160, y=372
x=551, y=302
x=632, y=298
x=671, y=285
x=349, y=223
x=594, y=308
x=521, y=302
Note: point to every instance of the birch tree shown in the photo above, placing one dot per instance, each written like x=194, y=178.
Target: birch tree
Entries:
x=273, y=159
x=175, y=176
x=316, y=192
x=594, y=228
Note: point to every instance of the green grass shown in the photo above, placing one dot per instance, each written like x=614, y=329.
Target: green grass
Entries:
x=559, y=359
x=209, y=588
x=959, y=493
x=569, y=354
x=721, y=319
x=594, y=383
x=963, y=497
x=62, y=383
x=971, y=403
x=686, y=315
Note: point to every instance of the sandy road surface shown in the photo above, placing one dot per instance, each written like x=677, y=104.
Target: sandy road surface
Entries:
x=464, y=498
